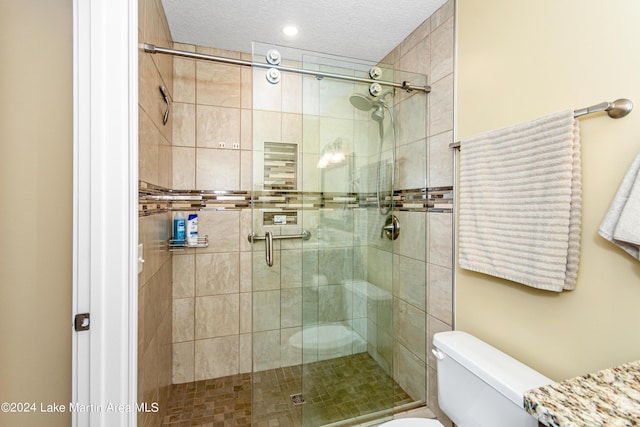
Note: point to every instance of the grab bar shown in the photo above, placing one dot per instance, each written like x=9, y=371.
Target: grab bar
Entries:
x=305, y=235
x=268, y=242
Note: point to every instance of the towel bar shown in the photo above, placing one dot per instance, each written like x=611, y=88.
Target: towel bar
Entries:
x=616, y=110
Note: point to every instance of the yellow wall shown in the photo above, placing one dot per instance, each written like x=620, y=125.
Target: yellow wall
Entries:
x=36, y=199
x=520, y=60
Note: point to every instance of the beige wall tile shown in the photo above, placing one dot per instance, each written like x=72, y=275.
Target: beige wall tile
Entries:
x=440, y=160
x=165, y=164
x=442, y=51
x=418, y=58
x=217, y=273
x=246, y=271
x=222, y=227
x=441, y=15
x=246, y=354
x=246, y=92
x=440, y=239
x=266, y=310
x=411, y=165
x=246, y=129
x=217, y=84
x=246, y=312
x=216, y=126
x=184, y=271
x=267, y=126
x=183, y=362
x=184, y=161
x=217, y=316
x=184, y=80
x=410, y=373
x=266, y=350
x=440, y=299
x=410, y=280
x=148, y=137
x=292, y=93
x=246, y=170
x=291, y=308
x=183, y=320
x=217, y=169
x=184, y=124
x=265, y=95
x=409, y=327
x=217, y=357
x=411, y=241
x=441, y=106
x=413, y=113
x=264, y=277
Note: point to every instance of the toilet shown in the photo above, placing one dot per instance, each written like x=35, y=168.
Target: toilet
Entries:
x=478, y=385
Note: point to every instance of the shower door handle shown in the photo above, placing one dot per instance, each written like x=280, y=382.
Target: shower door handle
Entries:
x=268, y=248
x=268, y=242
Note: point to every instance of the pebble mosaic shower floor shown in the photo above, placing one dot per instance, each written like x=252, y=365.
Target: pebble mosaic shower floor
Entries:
x=339, y=389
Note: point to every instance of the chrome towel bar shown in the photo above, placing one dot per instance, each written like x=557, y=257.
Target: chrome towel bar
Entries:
x=616, y=110
x=268, y=242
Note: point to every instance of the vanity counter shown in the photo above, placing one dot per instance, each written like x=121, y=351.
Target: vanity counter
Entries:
x=610, y=397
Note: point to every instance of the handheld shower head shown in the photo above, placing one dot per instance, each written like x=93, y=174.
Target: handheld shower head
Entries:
x=378, y=113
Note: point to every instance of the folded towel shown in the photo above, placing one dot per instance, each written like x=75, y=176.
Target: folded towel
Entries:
x=520, y=202
x=621, y=224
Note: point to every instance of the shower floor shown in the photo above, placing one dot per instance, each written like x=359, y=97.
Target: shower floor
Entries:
x=334, y=390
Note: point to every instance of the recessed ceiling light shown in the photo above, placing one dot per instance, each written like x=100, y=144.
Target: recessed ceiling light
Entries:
x=290, y=30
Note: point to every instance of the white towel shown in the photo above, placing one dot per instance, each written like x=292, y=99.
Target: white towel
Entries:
x=520, y=202
x=621, y=224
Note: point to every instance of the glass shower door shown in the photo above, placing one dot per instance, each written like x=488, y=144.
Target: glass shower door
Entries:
x=322, y=312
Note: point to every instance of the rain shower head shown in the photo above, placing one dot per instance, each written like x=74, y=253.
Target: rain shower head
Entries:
x=361, y=102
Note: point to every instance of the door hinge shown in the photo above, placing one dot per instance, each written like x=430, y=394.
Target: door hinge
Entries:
x=82, y=322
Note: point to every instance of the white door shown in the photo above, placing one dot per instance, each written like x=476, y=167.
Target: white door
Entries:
x=105, y=212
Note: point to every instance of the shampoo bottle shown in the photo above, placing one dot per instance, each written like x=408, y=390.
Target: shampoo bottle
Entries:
x=179, y=229
x=192, y=230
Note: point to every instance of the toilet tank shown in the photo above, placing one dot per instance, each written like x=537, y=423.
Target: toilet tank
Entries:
x=480, y=386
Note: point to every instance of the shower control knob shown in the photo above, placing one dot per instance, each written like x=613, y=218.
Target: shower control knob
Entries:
x=375, y=89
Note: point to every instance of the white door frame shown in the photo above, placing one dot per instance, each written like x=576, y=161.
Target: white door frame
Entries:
x=105, y=222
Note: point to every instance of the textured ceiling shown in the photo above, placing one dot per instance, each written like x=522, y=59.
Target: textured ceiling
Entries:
x=359, y=29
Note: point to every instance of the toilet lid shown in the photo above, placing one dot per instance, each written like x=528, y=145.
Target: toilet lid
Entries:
x=412, y=422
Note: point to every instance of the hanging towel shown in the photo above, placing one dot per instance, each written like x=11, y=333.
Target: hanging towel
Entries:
x=520, y=202
x=621, y=224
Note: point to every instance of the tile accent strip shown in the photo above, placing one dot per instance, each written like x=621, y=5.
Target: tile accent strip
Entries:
x=153, y=199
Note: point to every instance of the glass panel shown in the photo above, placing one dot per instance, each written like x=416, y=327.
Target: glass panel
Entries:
x=323, y=334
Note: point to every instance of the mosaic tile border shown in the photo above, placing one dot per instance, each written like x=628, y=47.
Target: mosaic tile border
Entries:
x=153, y=199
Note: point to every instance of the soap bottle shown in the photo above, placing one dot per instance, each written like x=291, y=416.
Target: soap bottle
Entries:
x=192, y=230
x=179, y=228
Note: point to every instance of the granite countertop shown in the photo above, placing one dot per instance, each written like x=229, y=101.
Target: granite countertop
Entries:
x=610, y=397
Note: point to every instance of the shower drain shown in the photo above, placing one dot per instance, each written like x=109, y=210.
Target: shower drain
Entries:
x=297, y=399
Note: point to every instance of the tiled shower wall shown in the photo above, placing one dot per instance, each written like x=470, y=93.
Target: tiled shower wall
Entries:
x=154, y=283
x=422, y=311
x=212, y=151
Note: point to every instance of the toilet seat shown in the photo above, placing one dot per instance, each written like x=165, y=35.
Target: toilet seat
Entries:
x=412, y=422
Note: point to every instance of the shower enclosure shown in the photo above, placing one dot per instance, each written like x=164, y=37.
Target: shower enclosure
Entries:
x=325, y=335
